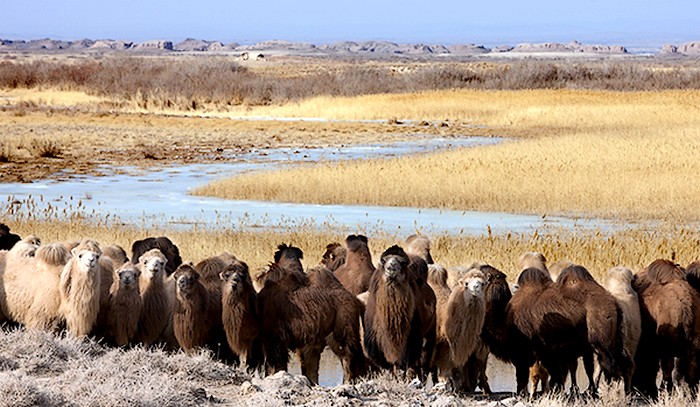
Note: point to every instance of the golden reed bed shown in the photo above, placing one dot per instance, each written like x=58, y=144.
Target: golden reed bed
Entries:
x=629, y=155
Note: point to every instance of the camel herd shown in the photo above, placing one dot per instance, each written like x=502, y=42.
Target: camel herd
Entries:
x=405, y=313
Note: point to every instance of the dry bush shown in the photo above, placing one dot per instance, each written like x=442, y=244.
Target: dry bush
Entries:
x=186, y=83
x=45, y=148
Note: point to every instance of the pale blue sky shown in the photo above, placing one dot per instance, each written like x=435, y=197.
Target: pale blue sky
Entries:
x=494, y=22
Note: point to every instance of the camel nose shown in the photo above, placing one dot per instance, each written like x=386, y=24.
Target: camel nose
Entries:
x=392, y=268
x=89, y=259
x=475, y=286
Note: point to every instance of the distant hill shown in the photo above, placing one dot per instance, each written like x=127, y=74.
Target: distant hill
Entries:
x=349, y=48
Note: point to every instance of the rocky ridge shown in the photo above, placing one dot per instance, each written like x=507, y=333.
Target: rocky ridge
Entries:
x=337, y=48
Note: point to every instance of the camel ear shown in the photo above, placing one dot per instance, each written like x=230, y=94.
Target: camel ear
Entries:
x=223, y=276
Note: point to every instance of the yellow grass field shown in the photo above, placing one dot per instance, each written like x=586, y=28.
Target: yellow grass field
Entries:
x=582, y=153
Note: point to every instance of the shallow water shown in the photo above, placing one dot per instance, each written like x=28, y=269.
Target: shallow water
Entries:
x=501, y=375
x=160, y=196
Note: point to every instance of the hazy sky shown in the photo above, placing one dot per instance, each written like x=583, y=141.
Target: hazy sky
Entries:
x=489, y=22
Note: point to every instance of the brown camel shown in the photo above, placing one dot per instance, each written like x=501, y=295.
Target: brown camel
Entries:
x=670, y=327
x=357, y=270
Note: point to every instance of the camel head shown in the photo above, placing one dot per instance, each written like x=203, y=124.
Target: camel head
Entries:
x=87, y=253
x=474, y=283
x=185, y=277
x=128, y=274
x=153, y=263
x=419, y=245
x=394, y=261
x=28, y=246
x=288, y=252
x=235, y=274
x=533, y=277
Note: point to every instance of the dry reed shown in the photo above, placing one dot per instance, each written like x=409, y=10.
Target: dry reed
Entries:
x=604, y=154
x=598, y=251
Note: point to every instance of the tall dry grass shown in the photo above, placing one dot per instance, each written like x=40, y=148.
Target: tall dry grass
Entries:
x=219, y=82
x=585, y=153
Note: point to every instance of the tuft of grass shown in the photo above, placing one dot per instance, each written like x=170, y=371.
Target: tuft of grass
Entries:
x=46, y=148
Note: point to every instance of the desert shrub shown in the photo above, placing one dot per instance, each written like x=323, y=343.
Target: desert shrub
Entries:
x=194, y=83
x=46, y=148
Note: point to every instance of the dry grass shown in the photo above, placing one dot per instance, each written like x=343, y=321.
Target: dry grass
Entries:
x=605, y=154
x=633, y=248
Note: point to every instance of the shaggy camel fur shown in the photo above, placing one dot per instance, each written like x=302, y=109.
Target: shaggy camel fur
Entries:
x=334, y=256
x=692, y=275
x=124, y=305
x=357, y=270
x=618, y=282
x=500, y=333
x=425, y=306
x=557, y=267
x=538, y=374
x=115, y=253
x=532, y=260
x=157, y=299
x=193, y=318
x=441, y=366
x=394, y=331
x=572, y=318
x=419, y=245
x=80, y=288
x=463, y=334
x=460, y=320
x=162, y=243
x=30, y=279
x=351, y=308
x=298, y=315
x=670, y=327
x=197, y=321
x=240, y=314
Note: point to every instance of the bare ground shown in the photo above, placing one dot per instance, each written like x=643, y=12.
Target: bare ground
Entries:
x=83, y=142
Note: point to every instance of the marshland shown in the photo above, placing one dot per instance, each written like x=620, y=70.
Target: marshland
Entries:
x=608, y=139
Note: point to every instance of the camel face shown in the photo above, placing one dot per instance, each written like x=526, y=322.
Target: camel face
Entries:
x=88, y=260
x=153, y=262
x=475, y=286
x=128, y=276
x=186, y=280
x=234, y=276
x=393, y=270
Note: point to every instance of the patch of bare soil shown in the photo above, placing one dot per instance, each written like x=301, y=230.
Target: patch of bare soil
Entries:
x=40, y=145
